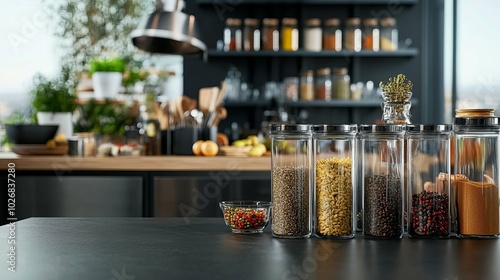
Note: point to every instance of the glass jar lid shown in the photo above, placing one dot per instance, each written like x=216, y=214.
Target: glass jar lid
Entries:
x=270, y=22
x=340, y=71
x=251, y=22
x=381, y=128
x=324, y=71
x=353, y=21
x=332, y=22
x=477, y=121
x=429, y=128
x=460, y=113
x=387, y=21
x=298, y=128
x=335, y=128
x=233, y=22
x=313, y=22
x=370, y=22
x=289, y=21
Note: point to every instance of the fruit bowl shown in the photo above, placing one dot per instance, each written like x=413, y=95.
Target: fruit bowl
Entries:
x=246, y=216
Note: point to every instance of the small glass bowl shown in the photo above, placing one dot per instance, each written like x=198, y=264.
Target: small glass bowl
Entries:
x=246, y=216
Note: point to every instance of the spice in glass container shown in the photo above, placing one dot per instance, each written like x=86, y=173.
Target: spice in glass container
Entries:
x=323, y=84
x=289, y=34
x=388, y=34
x=332, y=35
x=371, y=34
x=307, y=85
x=232, y=35
x=270, y=34
x=251, y=34
x=353, y=35
x=312, y=35
x=341, y=84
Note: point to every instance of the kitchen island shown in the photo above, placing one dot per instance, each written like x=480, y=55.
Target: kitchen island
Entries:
x=176, y=248
x=156, y=186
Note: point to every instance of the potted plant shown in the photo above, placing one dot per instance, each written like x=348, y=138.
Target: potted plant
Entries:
x=54, y=100
x=107, y=76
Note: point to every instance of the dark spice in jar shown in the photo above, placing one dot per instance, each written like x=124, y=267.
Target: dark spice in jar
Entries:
x=383, y=206
x=429, y=214
x=290, y=215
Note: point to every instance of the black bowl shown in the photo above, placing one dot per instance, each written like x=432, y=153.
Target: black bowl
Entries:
x=24, y=134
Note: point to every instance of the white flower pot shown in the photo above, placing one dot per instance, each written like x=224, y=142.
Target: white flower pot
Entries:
x=63, y=119
x=106, y=84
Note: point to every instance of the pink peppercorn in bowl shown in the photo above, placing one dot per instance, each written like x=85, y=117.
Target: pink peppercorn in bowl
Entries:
x=246, y=216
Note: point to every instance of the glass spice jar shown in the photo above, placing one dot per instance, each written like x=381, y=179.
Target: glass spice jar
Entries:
x=428, y=173
x=313, y=35
x=371, y=34
x=289, y=34
x=232, y=35
x=341, y=84
x=307, y=85
x=251, y=35
x=291, y=155
x=332, y=35
x=382, y=168
x=353, y=35
x=476, y=176
x=270, y=34
x=335, y=165
x=388, y=34
x=324, y=84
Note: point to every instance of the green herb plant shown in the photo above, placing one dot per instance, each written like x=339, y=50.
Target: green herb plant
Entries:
x=107, y=65
x=54, y=95
x=103, y=118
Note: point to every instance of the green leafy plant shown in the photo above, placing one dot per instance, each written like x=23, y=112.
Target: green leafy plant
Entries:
x=103, y=118
x=107, y=65
x=54, y=95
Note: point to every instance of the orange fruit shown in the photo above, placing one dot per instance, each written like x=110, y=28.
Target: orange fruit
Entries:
x=209, y=148
x=197, y=147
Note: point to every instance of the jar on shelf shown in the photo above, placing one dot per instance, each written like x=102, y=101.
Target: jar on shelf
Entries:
x=371, y=34
x=291, y=88
x=341, y=84
x=381, y=148
x=232, y=35
x=270, y=34
x=353, y=34
x=332, y=35
x=324, y=84
x=335, y=180
x=388, y=34
x=428, y=174
x=289, y=34
x=251, y=35
x=307, y=85
x=291, y=178
x=313, y=35
x=476, y=177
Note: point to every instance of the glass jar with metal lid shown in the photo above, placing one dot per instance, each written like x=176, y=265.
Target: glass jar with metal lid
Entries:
x=324, y=84
x=251, y=35
x=335, y=165
x=428, y=173
x=341, y=84
x=388, y=34
x=371, y=34
x=353, y=35
x=232, y=35
x=270, y=34
x=307, y=85
x=476, y=176
x=289, y=34
x=313, y=35
x=332, y=35
x=291, y=156
x=381, y=148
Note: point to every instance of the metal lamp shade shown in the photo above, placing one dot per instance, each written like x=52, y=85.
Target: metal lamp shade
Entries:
x=169, y=33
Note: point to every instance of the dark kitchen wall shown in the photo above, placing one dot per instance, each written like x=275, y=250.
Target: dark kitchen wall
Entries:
x=419, y=20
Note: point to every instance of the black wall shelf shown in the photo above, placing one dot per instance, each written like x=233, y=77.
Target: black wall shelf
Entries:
x=410, y=52
x=249, y=103
x=308, y=2
x=375, y=103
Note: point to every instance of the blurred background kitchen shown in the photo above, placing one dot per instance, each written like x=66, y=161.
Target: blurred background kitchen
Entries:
x=445, y=47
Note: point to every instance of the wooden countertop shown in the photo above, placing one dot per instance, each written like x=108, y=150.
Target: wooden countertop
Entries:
x=144, y=163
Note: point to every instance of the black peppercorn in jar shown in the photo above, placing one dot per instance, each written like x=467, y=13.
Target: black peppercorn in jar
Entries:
x=428, y=172
x=382, y=172
x=291, y=180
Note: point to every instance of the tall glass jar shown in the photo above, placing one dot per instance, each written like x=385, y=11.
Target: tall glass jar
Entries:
x=388, y=34
x=232, y=35
x=341, y=84
x=382, y=168
x=335, y=180
x=352, y=35
x=428, y=174
x=332, y=35
x=324, y=84
x=313, y=35
x=270, y=34
x=291, y=177
x=251, y=36
x=476, y=177
x=289, y=34
x=371, y=34
x=307, y=85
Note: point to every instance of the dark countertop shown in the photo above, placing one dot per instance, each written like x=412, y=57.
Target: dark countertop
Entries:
x=146, y=248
